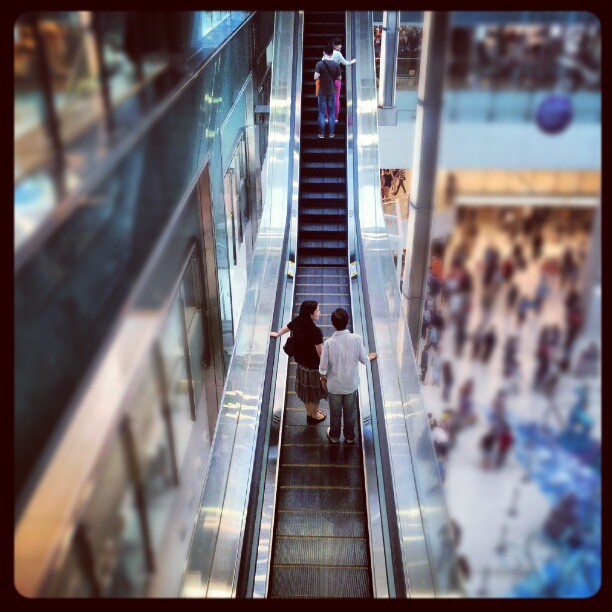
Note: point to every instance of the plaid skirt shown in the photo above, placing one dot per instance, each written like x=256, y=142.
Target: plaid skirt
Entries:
x=308, y=385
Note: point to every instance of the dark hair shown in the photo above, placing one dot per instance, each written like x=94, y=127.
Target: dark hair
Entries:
x=337, y=41
x=329, y=49
x=307, y=309
x=340, y=319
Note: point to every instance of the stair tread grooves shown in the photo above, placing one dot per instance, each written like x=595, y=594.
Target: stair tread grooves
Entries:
x=304, y=582
x=332, y=180
x=316, y=550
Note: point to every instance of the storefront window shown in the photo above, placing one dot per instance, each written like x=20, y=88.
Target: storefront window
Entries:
x=29, y=105
x=192, y=291
x=175, y=370
x=113, y=530
x=74, y=70
x=133, y=50
x=211, y=19
x=237, y=216
x=154, y=453
x=71, y=580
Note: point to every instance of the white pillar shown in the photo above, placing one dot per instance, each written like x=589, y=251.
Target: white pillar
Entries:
x=423, y=184
x=387, y=109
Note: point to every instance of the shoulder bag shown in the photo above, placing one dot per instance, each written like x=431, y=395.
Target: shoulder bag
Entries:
x=289, y=346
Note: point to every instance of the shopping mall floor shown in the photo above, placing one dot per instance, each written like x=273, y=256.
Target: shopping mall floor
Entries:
x=501, y=512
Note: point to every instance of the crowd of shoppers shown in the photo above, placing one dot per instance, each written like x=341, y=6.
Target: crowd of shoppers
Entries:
x=453, y=285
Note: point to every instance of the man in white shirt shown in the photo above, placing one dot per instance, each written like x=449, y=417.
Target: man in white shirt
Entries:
x=339, y=372
x=338, y=57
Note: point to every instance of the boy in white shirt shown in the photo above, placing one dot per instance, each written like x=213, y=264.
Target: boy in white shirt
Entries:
x=340, y=376
x=338, y=57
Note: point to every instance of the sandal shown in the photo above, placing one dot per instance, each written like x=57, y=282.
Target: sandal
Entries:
x=310, y=419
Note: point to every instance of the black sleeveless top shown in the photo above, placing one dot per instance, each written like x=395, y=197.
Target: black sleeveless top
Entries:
x=307, y=336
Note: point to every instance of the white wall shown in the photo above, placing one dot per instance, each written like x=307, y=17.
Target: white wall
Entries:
x=499, y=145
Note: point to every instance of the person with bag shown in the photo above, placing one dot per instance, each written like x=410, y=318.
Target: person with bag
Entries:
x=306, y=344
x=337, y=57
x=327, y=72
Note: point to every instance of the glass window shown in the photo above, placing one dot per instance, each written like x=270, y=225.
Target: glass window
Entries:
x=71, y=580
x=153, y=451
x=120, y=54
x=409, y=56
x=113, y=528
x=175, y=368
x=192, y=290
x=134, y=50
x=237, y=216
x=211, y=19
x=74, y=70
x=236, y=200
x=231, y=216
x=30, y=133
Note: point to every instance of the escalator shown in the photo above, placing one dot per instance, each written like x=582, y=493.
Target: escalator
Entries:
x=320, y=542
x=285, y=513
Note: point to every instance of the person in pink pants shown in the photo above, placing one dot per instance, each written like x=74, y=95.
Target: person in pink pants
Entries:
x=338, y=57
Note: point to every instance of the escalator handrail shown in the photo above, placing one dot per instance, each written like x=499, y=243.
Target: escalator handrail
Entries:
x=428, y=559
x=257, y=557
x=213, y=563
x=382, y=566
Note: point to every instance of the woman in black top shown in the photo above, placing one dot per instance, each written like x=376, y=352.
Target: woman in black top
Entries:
x=308, y=347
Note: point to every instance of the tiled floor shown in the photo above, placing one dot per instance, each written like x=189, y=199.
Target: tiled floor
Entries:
x=494, y=507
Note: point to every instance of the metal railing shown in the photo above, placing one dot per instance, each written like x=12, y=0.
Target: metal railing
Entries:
x=427, y=552
x=215, y=555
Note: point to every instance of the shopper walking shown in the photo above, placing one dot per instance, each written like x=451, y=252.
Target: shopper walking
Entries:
x=424, y=362
x=327, y=72
x=338, y=57
x=447, y=380
x=387, y=180
x=339, y=372
x=308, y=342
x=436, y=367
x=401, y=177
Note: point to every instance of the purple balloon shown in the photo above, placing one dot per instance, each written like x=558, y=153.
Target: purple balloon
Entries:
x=554, y=114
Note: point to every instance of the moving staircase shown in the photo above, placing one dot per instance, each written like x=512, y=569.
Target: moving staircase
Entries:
x=320, y=544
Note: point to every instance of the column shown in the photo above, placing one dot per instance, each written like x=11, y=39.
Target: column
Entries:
x=422, y=190
x=387, y=110
x=99, y=62
x=591, y=287
x=51, y=120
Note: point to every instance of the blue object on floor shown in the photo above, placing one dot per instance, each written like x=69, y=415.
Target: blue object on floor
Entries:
x=575, y=572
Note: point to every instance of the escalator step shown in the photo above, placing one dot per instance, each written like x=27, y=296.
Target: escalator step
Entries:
x=312, y=550
x=340, y=166
x=339, y=271
x=293, y=498
x=309, y=434
x=321, y=582
x=317, y=213
x=323, y=245
x=331, y=181
x=323, y=195
x=322, y=152
x=330, y=228
x=314, y=260
x=340, y=291
x=320, y=474
x=328, y=143
x=343, y=454
x=318, y=279
x=340, y=524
